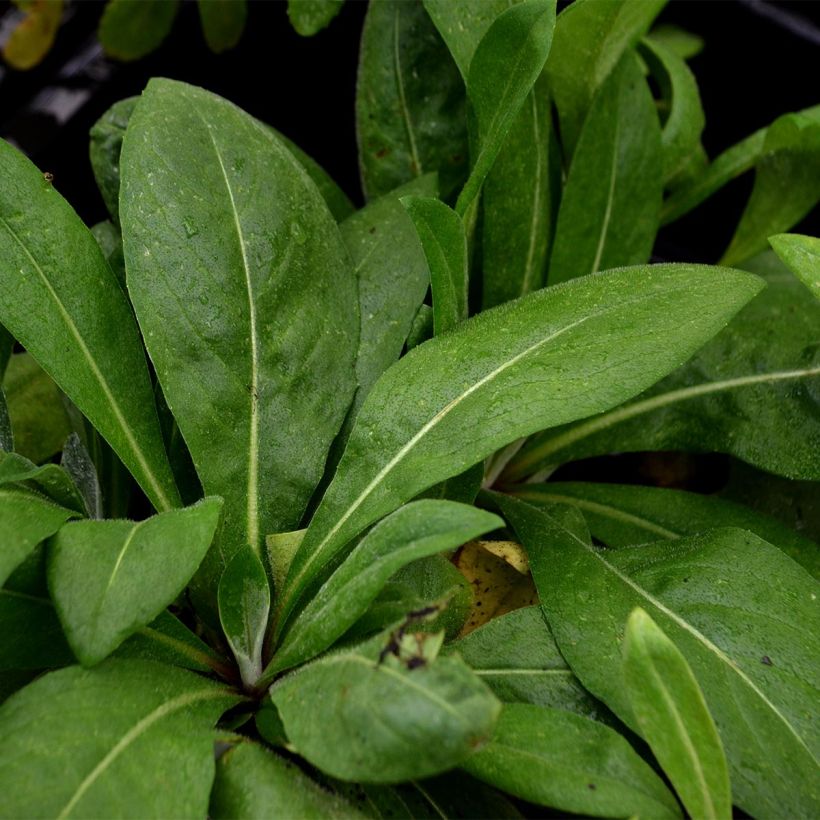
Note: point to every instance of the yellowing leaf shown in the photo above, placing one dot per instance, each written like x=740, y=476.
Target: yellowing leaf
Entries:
x=31, y=40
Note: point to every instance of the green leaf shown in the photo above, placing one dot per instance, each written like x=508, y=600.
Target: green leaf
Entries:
x=109, y=578
x=73, y=738
x=787, y=184
x=410, y=101
x=567, y=762
x=60, y=299
x=252, y=782
x=802, y=255
x=130, y=29
x=749, y=393
x=504, y=374
x=422, y=328
x=444, y=241
x=244, y=606
x=415, y=531
x=49, y=479
x=740, y=611
x=590, y=39
x=610, y=207
x=357, y=717
x=109, y=239
x=680, y=42
x=104, y=150
x=309, y=17
x=223, y=22
x=6, y=348
x=623, y=515
x=266, y=340
x=503, y=70
x=80, y=468
x=673, y=717
x=280, y=548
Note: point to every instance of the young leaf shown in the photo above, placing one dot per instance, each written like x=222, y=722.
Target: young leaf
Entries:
x=673, y=717
x=567, y=762
x=109, y=578
x=623, y=515
x=802, y=255
x=309, y=17
x=244, y=606
x=410, y=101
x=455, y=794
x=502, y=72
x=414, y=531
x=252, y=782
x=740, y=611
x=412, y=718
x=265, y=336
x=79, y=466
x=61, y=301
x=444, y=241
x=223, y=22
x=126, y=738
x=49, y=479
x=611, y=203
x=130, y=29
x=502, y=375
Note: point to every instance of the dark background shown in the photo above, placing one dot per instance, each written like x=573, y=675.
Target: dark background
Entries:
x=752, y=69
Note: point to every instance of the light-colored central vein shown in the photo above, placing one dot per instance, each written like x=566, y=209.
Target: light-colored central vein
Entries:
x=411, y=137
x=497, y=673
x=156, y=492
x=132, y=735
x=252, y=509
x=536, y=213
x=599, y=252
x=117, y=564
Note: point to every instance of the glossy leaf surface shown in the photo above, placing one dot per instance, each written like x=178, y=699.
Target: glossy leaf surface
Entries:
x=130, y=29
x=802, y=255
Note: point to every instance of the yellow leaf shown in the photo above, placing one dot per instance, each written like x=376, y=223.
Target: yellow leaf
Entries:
x=34, y=35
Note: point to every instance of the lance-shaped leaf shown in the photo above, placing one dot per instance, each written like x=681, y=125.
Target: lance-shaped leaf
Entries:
x=77, y=463
x=410, y=101
x=802, y=255
x=253, y=782
x=109, y=578
x=590, y=39
x=444, y=241
x=247, y=301
x=308, y=17
x=60, y=299
x=130, y=29
x=503, y=70
x=750, y=393
x=610, y=207
x=129, y=737
x=244, y=606
x=552, y=355
x=223, y=22
x=742, y=613
x=415, y=531
x=358, y=716
x=673, y=717
x=567, y=762
x=622, y=515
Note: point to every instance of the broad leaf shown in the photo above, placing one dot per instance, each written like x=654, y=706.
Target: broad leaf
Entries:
x=252, y=782
x=567, y=762
x=505, y=373
x=415, y=531
x=750, y=393
x=348, y=713
x=130, y=29
x=623, y=515
x=246, y=299
x=673, y=717
x=740, y=611
x=74, y=737
x=308, y=17
x=410, y=101
x=444, y=241
x=802, y=255
x=610, y=207
x=109, y=578
x=223, y=22
x=60, y=299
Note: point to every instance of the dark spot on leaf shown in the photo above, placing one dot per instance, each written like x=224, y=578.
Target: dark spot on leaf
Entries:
x=373, y=229
x=416, y=663
x=381, y=154
x=766, y=661
x=591, y=786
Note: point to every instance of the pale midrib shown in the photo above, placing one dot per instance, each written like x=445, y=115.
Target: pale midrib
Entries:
x=536, y=214
x=99, y=608
x=130, y=736
x=411, y=137
x=613, y=417
x=439, y=811
x=599, y=252
x=252, y=510
x=523, y=672
x=159, y=493
x=183, y=648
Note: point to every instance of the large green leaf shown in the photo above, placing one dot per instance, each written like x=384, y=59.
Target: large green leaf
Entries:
x=415, y=531
x=802, y=255
x=246, y=297
x=673, y=717
x=748, y=393
x=610, y=207
x=555, y=354
x=109, y=578
x=570, y=763
x=223, y=22
x=380, y=717
x=60, y=299
x=130, y=29
x=623, y=515
x=308, y=17
x=410, y=101
x=741, y=612
x=129, y=738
